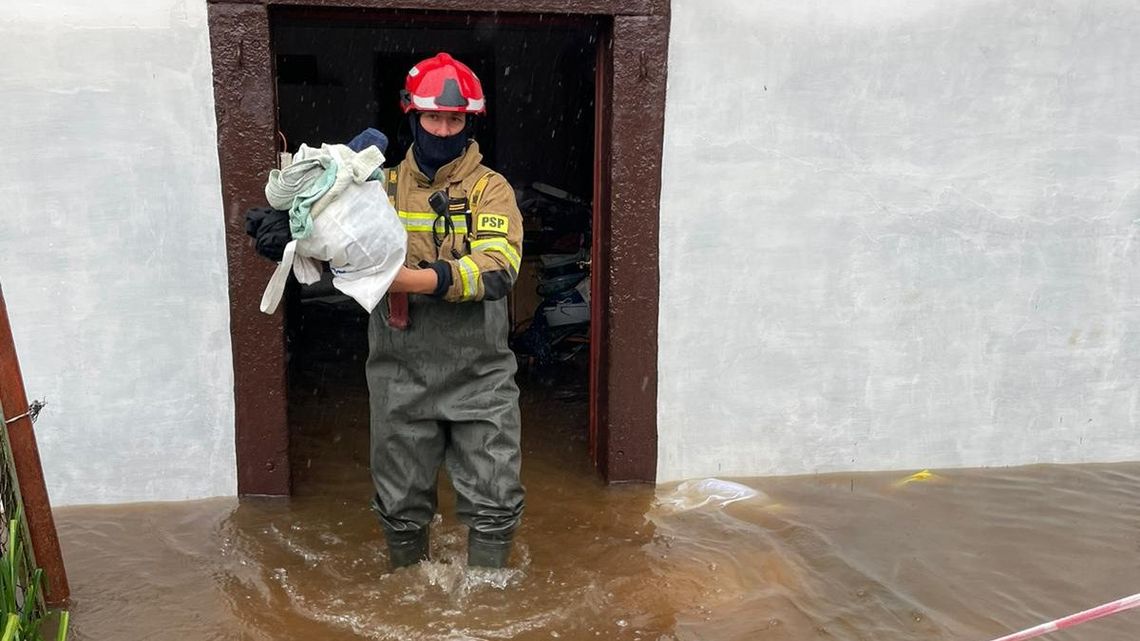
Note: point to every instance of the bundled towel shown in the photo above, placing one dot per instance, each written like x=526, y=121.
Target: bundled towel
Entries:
x=315, y=178
x=349, y=223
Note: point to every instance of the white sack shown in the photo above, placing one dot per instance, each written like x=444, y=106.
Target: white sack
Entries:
x=362, y=239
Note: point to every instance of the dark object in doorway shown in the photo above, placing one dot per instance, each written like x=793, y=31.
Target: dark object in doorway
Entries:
x=269, y=229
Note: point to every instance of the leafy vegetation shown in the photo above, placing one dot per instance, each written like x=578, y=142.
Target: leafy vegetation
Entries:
x=21, y=593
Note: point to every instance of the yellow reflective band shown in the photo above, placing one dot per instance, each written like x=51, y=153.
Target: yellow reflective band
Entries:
x=492, y=224
x=423, y=221
x=469, y=276
x=499, y=245
x=416, y=221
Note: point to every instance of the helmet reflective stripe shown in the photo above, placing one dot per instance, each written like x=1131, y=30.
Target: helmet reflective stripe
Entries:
x=423, y=103
x=427, y=103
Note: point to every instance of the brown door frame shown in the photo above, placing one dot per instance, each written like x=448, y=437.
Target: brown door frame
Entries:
x=630, y=131
x=599, y=254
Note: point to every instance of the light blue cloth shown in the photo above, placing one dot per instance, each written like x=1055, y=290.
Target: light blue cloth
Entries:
x=300, y=222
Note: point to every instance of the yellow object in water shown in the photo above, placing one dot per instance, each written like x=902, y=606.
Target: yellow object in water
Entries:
x=924, y=475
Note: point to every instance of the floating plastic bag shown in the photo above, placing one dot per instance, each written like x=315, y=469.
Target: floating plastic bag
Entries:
x=711, y=492
x=362, y=239
x=918, y=477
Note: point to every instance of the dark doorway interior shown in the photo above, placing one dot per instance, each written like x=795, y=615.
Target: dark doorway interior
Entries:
x=338, y=73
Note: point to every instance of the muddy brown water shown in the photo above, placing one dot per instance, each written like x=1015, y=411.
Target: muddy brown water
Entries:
x=966, y=555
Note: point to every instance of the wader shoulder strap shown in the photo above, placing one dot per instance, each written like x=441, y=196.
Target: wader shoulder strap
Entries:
x=399, y=318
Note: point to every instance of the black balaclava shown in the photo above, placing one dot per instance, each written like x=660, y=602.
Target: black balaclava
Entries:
x=433, y=152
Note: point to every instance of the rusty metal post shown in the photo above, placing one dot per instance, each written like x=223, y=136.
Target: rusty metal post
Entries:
x=26, y=458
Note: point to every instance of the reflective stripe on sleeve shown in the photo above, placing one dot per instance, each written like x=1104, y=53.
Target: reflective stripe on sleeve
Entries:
x=469, y=277
x=501, y=246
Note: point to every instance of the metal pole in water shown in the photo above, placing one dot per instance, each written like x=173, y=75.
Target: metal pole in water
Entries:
x=1120, y=605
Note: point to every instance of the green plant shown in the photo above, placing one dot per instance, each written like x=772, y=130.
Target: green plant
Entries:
x=22, y=608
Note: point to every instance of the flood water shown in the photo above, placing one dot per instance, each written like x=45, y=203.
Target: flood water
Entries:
x=964, y=555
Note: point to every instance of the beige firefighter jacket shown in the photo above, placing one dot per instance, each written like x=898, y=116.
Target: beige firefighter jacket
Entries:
x=482, y=249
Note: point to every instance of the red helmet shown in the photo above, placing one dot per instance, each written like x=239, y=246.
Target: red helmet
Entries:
x=442, y=83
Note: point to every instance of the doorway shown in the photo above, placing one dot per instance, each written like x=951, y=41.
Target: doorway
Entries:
x=629, y=53
x=340, y=72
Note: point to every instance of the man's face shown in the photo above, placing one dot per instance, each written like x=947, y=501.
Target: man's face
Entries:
x=443, y=123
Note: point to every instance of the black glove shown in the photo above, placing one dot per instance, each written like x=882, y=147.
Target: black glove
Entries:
x=269, y=229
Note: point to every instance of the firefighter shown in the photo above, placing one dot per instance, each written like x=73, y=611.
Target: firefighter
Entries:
x=440, y=372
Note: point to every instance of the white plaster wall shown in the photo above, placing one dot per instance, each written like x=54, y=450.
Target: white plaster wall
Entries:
x=899, y=234
x=112, y=254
